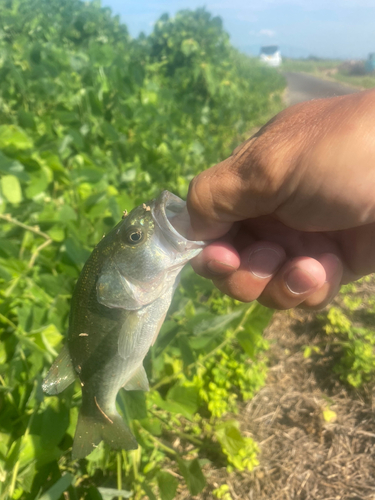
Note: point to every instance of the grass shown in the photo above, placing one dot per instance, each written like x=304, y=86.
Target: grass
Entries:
x=363, y=81
x=309, y=65
x=329, y=68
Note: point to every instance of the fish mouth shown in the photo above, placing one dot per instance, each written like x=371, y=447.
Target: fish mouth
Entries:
x=171, y=215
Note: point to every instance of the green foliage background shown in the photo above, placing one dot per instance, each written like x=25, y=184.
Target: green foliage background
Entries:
x=92, y=123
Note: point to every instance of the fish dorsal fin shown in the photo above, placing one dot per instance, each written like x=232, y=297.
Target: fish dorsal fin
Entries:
x=138, y=382
x=61, y=374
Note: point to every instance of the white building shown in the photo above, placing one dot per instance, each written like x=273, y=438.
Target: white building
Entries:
x=270, y=55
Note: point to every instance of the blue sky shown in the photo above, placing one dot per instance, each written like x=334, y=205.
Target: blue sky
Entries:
x=325, y=28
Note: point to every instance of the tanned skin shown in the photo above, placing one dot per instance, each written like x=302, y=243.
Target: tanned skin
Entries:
x=294, y=206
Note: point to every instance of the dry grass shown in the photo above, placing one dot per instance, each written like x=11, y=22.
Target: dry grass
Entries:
x=303, y=456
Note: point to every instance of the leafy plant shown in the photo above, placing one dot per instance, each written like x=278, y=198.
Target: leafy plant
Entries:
x=349, y=324
x=91, y=123
x=223, y=492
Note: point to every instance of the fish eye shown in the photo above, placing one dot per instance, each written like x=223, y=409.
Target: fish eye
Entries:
x=134, y=235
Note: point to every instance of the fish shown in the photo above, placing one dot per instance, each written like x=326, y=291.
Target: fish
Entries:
x=118, y=305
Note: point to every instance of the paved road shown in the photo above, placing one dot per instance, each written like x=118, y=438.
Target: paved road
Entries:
x=303, y=87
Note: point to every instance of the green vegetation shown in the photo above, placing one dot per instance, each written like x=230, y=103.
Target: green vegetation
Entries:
x=92, y=123
x=352, y=326
x=349, y=325
x=312, y=65
x=333, y=69
x=361, y=81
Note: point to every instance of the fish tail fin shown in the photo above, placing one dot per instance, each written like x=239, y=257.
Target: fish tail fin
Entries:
x=87, y=436
x=118, y=435
x=100, y=426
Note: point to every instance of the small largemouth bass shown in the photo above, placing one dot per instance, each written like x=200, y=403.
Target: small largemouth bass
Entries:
x=118, y=306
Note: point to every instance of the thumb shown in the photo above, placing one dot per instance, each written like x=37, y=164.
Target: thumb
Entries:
x=209, y=202
x=230, y=191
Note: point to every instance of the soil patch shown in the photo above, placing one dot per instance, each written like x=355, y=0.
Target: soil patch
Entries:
x=302, y=455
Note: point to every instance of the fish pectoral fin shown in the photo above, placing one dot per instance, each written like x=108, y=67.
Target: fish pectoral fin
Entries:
x=60, y=375
x=141, y=328
x=138, y=382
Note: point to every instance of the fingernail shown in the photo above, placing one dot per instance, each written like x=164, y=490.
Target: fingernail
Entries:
x=217, y=267
x=299, y=281
x=264, y=262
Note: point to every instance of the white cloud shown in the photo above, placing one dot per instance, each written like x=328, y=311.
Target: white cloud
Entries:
x=263, y=33
x=266, y=32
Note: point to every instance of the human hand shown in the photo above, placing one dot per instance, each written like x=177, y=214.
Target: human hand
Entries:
x=294, y=206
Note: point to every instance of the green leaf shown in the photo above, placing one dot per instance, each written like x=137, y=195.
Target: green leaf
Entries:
x=26, y=119
x=55, y=492
x=30, y=449
x=152, y=425
x=208, y=324
x=75, y=252
x=11, y=189
x=259, y=318
x=166, y=335
x=109, y=132
x=246, y=341
x=54, y=285
x=229, y=436
x=249, y=336
x=38, y=183
x=7, y=248
x=193, y=475
x=57, y=233
x=11, y=135
x=184, y=400
x=133, y=404
x=180, y=400
x=148, y=491
x=67, y=213
x=27, y=477
x=51, y=336
x=189, y=46
x=55, y=422
x=4, y=274
x=109, y=493
x=167, y=485
x=93, y=493
x=187, y=353
x=13, y=167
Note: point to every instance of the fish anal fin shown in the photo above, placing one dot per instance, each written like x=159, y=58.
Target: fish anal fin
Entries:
x=61, y=374
x=138, y=382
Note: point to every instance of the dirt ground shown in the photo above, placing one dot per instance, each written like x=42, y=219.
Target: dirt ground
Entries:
x=303, y=456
